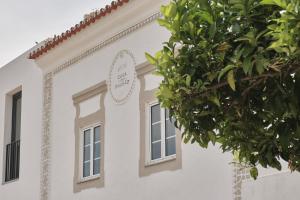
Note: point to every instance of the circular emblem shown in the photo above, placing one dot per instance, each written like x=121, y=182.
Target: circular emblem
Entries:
x=122, y=76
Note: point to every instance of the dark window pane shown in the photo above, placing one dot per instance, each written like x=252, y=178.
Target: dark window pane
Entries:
x=96, y=168
x=155, y=150
x=86, y=153
x=155, y=132
x=170, y=129
x=171, y=146
x=86, y=169
x=16, y=117
x=87, y=137
x=155, y=113
x=97, y=150
x=97, y=134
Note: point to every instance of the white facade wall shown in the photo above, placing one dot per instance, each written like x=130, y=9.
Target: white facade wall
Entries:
x=205, y=174
x=23, y=72
x=275, y=186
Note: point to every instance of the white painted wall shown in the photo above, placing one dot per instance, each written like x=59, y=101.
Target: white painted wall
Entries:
x=277, y=186
x=23, y=72
x=206, y=174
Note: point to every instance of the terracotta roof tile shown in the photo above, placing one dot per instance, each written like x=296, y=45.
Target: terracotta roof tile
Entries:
x=88, y=20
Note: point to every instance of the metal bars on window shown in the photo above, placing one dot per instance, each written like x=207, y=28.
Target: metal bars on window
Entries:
x=12, y=161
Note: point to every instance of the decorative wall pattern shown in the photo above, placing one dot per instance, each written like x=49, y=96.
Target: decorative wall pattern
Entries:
x=47, y=104
x=240, y=174
x=46, y=137
x=107, y=42
x=122, y=76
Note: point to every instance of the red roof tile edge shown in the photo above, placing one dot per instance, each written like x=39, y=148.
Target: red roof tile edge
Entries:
x=93, y=17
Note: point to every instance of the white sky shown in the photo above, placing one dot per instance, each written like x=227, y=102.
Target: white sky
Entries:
x=22, y=22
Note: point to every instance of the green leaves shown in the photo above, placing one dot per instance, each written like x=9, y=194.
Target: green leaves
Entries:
x=150, y=59
x=230, y=76
x=225, y=70
x=165, y=92
x=254, y=172
x=188, y=80
x=281, y=3
x=169, y=10
x=231, y=80
x=247, y=65
x=206, y=16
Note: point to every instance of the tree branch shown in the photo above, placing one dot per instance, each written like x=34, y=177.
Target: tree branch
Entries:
x=258, y=78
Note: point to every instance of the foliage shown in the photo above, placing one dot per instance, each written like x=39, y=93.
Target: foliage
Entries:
x=231, y=76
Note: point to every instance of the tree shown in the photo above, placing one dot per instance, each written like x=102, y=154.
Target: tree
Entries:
x=231, y=76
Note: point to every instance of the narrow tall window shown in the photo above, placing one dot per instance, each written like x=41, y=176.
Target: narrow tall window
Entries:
x=13, y=148
x=163, y=134
x=91, y=152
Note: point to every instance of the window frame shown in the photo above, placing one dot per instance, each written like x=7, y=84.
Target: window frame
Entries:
x=81, y=143
x=163, y=157
x=12, y=136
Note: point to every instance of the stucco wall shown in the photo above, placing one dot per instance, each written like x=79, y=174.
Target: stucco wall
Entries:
x=205, y=174
x=275, y=186
x=23, y=72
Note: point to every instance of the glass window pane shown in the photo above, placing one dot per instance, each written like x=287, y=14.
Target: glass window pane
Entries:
x=155, y=113
x=170, y=129
x=86, y=153
x=18, y=118
x=156, y=150
x=155, y=132
x=86, y=169
x=87, y=137
x=171, y=146
x=96, y=168
x=97, y=150
x=97, y=134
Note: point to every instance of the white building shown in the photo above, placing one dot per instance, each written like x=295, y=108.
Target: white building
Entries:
x=79, y=120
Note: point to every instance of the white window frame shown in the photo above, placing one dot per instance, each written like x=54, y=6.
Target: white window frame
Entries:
x=148, y=155
x=92, y=176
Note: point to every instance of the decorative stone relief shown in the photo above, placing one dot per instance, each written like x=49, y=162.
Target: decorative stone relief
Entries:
x=46, y=137
x=122, y=76
x=240, y=174
x=107, y=42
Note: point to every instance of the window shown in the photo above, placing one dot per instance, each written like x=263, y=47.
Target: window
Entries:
x=13, y=147
x=160, y=141
x=89, y=138
x=162, y=133
x=91, y=152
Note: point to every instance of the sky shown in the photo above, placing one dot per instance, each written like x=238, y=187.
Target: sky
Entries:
x=22, y=23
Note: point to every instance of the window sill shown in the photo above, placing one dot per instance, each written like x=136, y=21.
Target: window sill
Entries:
x=161, y=160
x=90, y=178
x=11, y=181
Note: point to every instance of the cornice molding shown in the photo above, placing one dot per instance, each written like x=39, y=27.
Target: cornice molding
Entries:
x=106, y=42
x=90, y=92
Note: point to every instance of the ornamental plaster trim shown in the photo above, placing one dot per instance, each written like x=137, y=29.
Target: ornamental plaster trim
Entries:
x=46, y=137
x=47, y=102
x=106, y=42
x=240, y=174
x=109, y=82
